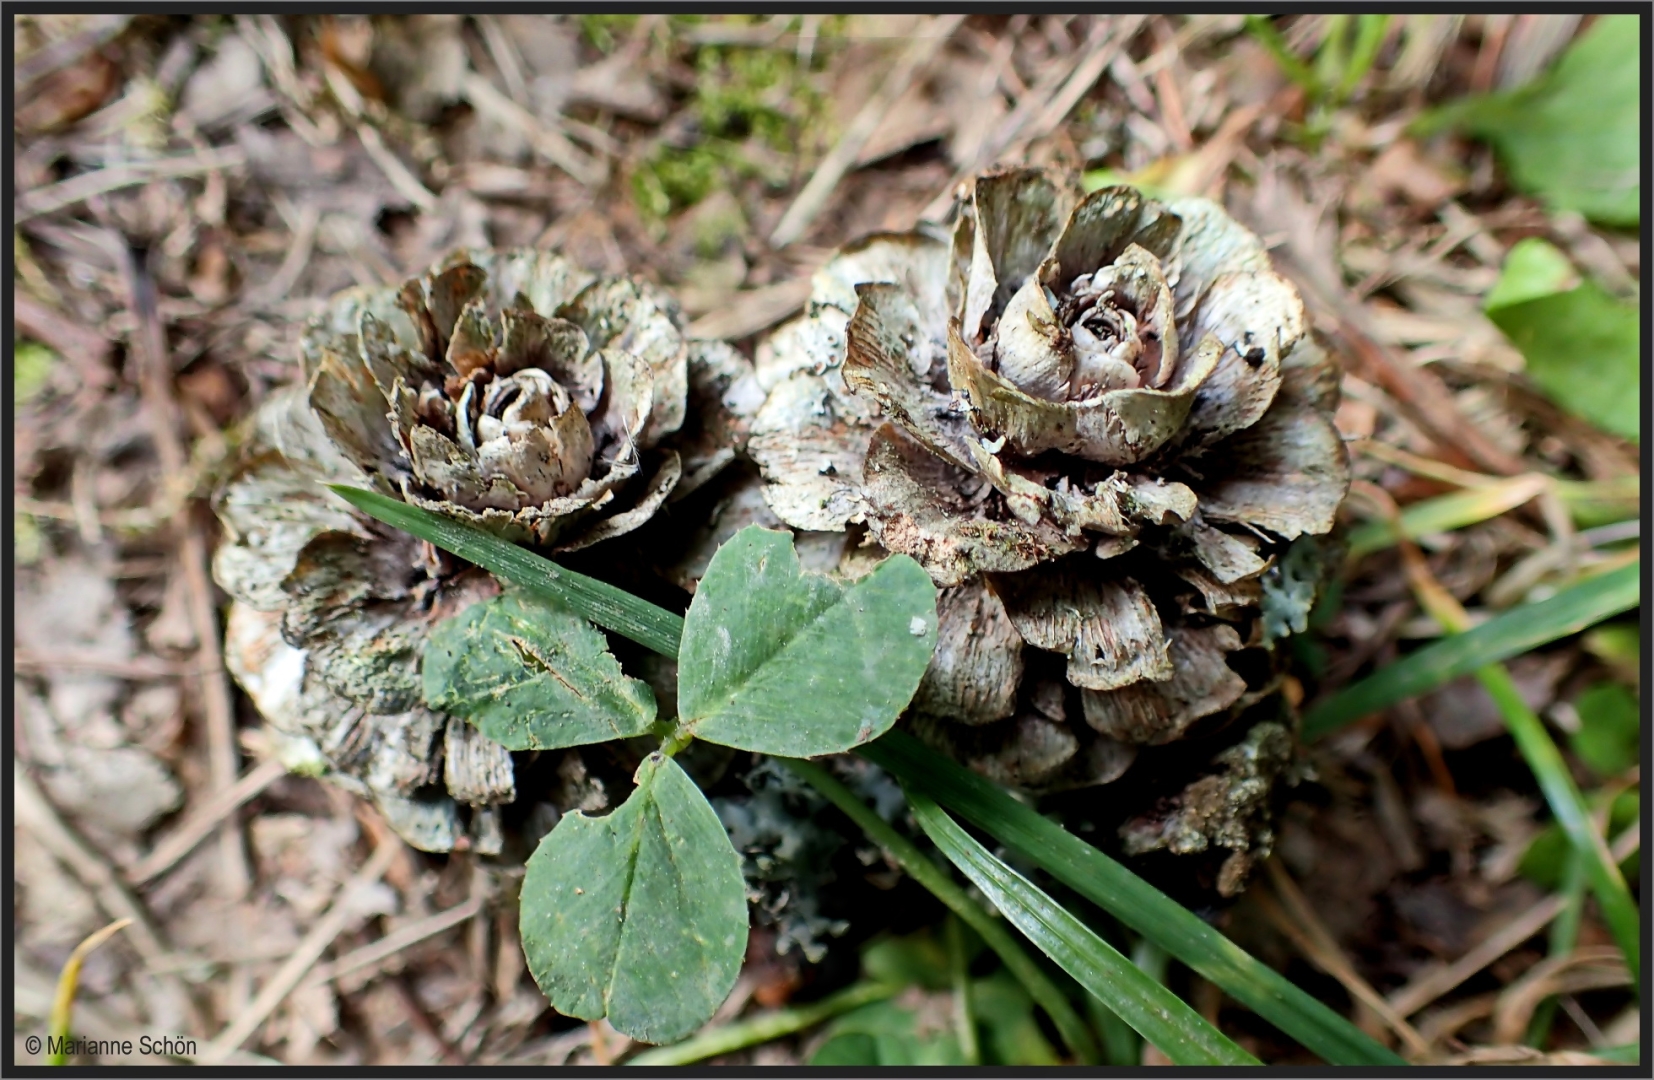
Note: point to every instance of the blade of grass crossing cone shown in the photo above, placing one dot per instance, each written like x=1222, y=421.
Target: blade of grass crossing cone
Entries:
x=1129, y=898
x=611, y=608
x=944, y=888
x=1154, y=1012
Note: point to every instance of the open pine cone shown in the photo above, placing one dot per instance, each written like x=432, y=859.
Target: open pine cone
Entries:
x=1100, y=423
x=508, y=389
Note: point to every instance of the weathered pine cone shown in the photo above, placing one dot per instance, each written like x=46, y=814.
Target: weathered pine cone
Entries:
x=508, y=389
x=1099, y=423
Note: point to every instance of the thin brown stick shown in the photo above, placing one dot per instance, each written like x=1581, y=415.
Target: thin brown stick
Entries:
x=1432, y=984
x=206, y=818
x=1435, y=982
x=309, y=950
x=223, y=758
x=548, y=142
x=378, y=952
x=66, y=193
x=54, y=56
x=1594, y=968
x=1300, y=923
x=304, y=221
x=144, y=668
x=915, y=60
x=1104, y=43
x=1423, y=396
x=1046, y=103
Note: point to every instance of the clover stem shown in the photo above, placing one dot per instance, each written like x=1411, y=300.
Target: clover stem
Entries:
x=673, y=739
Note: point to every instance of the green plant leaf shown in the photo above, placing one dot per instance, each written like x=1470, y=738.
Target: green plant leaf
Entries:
x=850, y=1049
x=611, y=608
x=1574, y=136
x=533, y=675
x=1505, y=635
x=641, y=915
x=1011, y=1033
x=1129, y=898
x=914, y=960
x=1533, y=270
x=781, y=662
x=1545, y=862
x=1582, y=346
x=886, y=1033
x=1180, y=1033
x=1610, y=727
x=31, y=369
x=1626, y=1054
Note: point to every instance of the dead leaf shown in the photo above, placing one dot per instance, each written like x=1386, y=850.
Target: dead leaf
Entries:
x=67, y=94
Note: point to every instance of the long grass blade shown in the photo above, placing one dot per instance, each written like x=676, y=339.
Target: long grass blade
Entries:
x=1508, y=634
x=611, y=608
x=941, y=885
x=1567, y=805
x=1157, y=1014
x=1129, y=898
x=1539, y=750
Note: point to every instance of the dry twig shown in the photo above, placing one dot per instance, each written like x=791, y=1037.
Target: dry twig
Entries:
x=206, y=818
x=66, y=193
x=156, y=375
x=1436, y=981
x=1598, y=968
x=1300, y=923
x=912, y=64
x=309, y=950
x=377, y=953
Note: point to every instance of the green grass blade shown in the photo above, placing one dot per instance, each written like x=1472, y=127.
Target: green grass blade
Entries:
x=1291, y=66
x=1448, y=512
x=1505, y=635
x=1369, y=38
x=1129, y=898
x=1157, y=1014
x=941, y=885
x=1564, y=935
x=1567, y=805
x=959, y=975
x=611, y=608
x=763, y=1028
